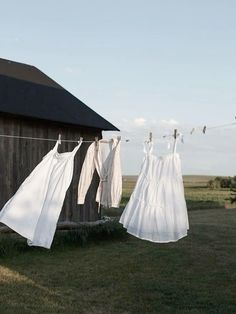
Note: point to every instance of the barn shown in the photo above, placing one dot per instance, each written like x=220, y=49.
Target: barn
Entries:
x=34, y=105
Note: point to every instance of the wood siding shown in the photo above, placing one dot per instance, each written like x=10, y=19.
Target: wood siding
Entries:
x=18, y=157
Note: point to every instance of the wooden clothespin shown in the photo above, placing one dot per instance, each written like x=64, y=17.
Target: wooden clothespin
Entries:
x=59, y=138
x=119, y=138
x=193, y=130
x=204, y=129
x=150, y=137
x=80, y=139
x=175, y=134
x=96, y=142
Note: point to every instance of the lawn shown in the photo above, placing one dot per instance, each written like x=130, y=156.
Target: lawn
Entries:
x=118, y=273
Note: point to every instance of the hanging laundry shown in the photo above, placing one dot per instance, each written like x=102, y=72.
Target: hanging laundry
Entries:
x=104, y=156
x=34, y=210
x=157, y=209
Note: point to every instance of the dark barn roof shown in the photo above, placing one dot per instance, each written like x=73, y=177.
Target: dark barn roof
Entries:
x=28, y=92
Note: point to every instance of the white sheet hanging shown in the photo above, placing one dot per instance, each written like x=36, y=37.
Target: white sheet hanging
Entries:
x=34, y=210
x=105, y=158
x=157, y=209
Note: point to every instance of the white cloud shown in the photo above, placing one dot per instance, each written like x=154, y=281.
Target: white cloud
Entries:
x=139, y=122
x=154, y=122
x=71, y=70
x=68, y=70
x=169, y=122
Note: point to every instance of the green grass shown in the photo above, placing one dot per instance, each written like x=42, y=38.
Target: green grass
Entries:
x=105, y=270
x=128, y=275
x=13, y=245
x=197, y=194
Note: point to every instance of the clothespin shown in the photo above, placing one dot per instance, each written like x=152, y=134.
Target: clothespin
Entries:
x=59, y=138
x=119, y=138
x=204, y=129
x=175, y=133
x=96, y=142
x=193, y=130
x=150, y=137
x=80, y=140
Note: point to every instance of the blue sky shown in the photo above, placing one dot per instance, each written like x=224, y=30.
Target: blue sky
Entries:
x=143, y=65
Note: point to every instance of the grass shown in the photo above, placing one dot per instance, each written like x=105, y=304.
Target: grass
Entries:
x=88, y=271
x=127, y=275
x=13, y=245
x=197, y=194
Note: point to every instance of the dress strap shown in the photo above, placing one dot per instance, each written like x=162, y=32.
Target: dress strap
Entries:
x=148, y=148
x=175, y=145
x=77, y=147
x=55, y=148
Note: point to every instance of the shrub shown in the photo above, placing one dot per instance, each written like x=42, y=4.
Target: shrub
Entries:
x=233, y=191
x=233, y=196
x=221, y=183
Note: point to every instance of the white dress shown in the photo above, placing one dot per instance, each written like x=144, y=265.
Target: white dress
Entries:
x=34, y=210
x=105, y=158
x=157, y=209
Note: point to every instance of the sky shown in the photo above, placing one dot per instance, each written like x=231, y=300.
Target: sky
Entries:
x=145, y=66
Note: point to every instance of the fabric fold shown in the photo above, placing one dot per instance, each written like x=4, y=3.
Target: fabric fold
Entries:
x=157, y=209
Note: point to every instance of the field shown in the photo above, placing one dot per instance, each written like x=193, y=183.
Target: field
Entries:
x=117, y=273
x=198, y=196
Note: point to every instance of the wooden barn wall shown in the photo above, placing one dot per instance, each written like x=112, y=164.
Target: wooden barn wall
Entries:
x=18, y=157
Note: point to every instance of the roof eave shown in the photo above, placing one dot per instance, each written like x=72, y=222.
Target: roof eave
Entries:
x=110, y=126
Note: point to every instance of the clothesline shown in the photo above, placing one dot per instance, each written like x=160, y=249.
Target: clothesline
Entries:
x=43, y=139
x=203, y=129
x=221, y=126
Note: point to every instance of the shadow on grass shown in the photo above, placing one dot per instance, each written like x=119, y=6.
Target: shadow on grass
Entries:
x=197, y=205
x=191, y=205
x=194, y=275
x=12, y=244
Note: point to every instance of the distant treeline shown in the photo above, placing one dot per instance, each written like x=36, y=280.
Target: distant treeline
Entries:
x=233, y=195
x=222, y=183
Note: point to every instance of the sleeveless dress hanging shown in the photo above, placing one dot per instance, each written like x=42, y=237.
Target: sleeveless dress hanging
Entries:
x=34, y=210
x=157, y=209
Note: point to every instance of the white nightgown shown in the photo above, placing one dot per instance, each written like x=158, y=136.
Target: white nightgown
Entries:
x=34, y=210
x=157, y=209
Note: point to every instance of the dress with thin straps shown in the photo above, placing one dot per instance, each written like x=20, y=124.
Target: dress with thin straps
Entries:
x=34, y=210
x=157, y=209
